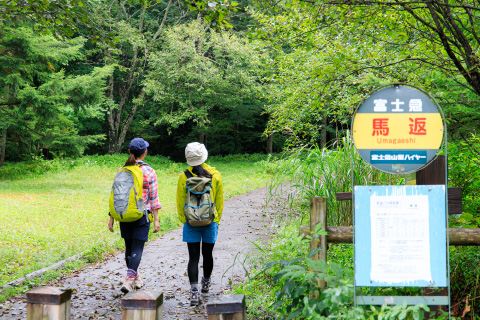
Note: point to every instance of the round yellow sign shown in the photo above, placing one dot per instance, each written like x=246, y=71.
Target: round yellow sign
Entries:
x=398, y=129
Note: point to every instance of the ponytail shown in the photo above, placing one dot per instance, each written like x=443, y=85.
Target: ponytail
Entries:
x=131, y=160
x=201, y=172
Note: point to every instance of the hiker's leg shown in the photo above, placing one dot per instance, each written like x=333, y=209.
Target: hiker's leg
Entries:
x=136, y=256
x=133, y=259
x=207, y=250
x=209, y=237
x=194, y=258
x=128, y=250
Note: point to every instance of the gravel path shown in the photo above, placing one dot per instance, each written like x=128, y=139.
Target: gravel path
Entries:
x=164, y=267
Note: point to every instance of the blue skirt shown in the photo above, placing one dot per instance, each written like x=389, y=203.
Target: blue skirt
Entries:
x=206, y=234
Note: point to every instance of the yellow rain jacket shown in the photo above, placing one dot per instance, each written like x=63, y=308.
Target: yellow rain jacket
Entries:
x=216, y=193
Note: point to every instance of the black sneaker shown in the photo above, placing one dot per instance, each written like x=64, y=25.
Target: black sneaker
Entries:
x=205, y=286
x=194, y=298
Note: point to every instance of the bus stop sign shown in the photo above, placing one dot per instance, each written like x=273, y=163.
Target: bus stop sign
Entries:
x=398, y=129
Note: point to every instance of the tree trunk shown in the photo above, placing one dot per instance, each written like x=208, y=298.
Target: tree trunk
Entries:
x=235, y=137
x=324, y=132
x=201, y=136
x=270, y=143
x=112, y=133
x=127, y=122
x=3, y=145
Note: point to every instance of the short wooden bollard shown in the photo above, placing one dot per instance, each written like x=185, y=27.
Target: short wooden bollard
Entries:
x=230, y=307
x=142, y=305
x=49, y=303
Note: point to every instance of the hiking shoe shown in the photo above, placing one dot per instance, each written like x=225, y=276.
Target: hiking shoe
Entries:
x=128, y=285
x=194, y=298
x=138, y=282
x=205, y=286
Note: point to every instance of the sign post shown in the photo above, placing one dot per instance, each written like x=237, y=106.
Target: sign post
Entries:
x=400, y=232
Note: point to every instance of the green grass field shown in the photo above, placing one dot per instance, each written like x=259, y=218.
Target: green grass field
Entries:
x=56, y=211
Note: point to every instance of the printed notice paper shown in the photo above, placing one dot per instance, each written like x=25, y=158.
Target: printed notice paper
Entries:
x=400, y=239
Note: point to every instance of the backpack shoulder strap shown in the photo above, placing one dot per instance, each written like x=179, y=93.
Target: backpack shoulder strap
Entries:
x=141, y=163
x=188, y=174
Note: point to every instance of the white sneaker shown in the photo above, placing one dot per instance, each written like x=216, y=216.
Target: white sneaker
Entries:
x=138, y=282
x=128, y=285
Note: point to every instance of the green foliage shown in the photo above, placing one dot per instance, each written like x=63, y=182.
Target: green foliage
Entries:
x=128, y=108
x=465, y=279
x=328, y=58
x=301, y=296
x=214, y=13
x=286, y=245
x=37, y=100
x=315, y=92
x=12, y=171
x=55, y=93
x=66, y=17
x=285, y=282
x=463, y=160
x=61, y=18
x=255, y=157
x=197, y=70
x=323, y=172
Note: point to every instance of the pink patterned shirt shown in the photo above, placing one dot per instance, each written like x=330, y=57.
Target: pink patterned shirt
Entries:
x=150, y=187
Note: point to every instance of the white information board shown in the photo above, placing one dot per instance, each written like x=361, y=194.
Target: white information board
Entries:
x=400, y=239
x=400, y=236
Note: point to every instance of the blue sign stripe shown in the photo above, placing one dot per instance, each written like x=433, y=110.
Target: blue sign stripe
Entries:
x=396, y=156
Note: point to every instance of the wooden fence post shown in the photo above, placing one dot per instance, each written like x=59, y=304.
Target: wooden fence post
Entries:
x=318, y=214
x=230, y=307
x=434, y=174
x=49, y=303
x=142, y=305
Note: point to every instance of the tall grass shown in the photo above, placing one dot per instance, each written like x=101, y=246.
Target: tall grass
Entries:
x=316, y=172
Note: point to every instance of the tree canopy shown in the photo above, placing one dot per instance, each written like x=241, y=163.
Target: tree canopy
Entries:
x=180, y=70
x=199, y=69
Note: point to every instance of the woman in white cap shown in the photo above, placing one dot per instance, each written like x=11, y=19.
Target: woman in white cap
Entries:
x=199, y=239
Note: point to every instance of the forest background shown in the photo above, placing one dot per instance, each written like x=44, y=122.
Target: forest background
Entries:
x=84, y=77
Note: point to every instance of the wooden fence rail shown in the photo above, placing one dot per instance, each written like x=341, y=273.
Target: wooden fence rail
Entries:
x=457, y=236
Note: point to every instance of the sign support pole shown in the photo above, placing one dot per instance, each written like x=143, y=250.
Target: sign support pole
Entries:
x=446, y=222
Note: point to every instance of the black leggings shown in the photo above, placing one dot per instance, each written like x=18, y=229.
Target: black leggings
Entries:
x=133, y=253
x=194, y=258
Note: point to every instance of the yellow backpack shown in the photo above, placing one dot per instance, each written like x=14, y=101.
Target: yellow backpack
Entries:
x=126, y=198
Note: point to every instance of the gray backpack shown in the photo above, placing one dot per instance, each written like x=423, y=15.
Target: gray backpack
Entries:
x=199, y=208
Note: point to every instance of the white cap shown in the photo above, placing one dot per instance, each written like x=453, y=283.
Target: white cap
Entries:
x=196, y=153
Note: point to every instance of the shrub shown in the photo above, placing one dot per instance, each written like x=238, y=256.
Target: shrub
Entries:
x=464, y=162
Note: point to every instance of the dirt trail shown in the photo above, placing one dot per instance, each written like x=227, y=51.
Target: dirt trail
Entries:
x=163, y=267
